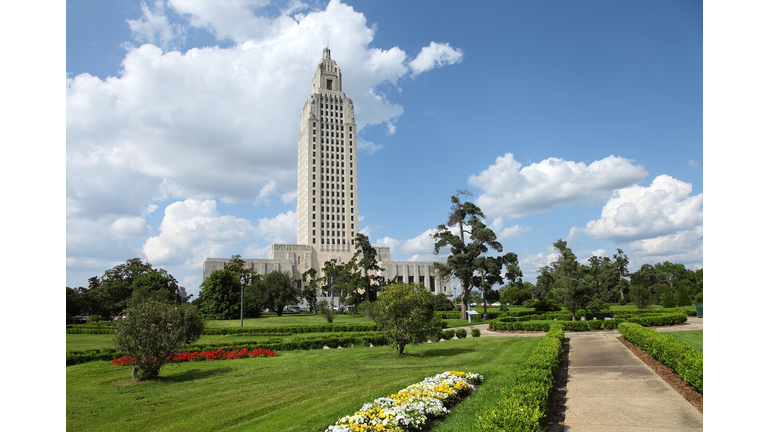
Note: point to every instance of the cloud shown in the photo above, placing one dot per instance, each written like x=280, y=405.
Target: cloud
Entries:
x=435, y=55
x=513, y=231
x=693, y=164
x=421, y=244
x=280, y=229
x=636, y=212
x=193, y=230
x=289, y=196
x=531, y=263
x=366, y=230
x=599, y=253
x=387, y=242
x=215, y=122
x=266, y=191
x=685, y=247
x=153, y=27
x=514, y=191
x=368, y=147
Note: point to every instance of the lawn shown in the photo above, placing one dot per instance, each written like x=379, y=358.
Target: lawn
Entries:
x=694, y=338
x=297, y=391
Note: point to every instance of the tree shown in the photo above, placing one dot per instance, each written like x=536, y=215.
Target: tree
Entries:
x=489, y=274
x=156, y=285
x=442, y=303
x=309, y=293
x=279, y=291
x=668, y=299
x=682, y=297
x=464, y=251
x=220, y=295
x=326, y=310
x=152, y=331
x=405, y=314
x=640, y=295
x=114, y=288
x=517, y=293
x=246, y=276
x=366, y=265
x=544, y=282
x=570, y=287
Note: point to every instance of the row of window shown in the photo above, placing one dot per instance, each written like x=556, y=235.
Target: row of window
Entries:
x=333, y=216
x=332, y=193
x=333, y=225
x=322, y=208
x=334, y=233
x=334, y=126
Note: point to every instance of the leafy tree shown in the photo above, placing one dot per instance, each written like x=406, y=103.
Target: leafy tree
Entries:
x=250, y=305
x=156, y=285
x=152, y=331
x=570, y=286
x=473, y=239
x=682, y=297
x=279, y=291
x=220, y=295
x=668, y=299
x=442, y=303
x=517, y=293
x=114, y=288
x=405, y=314
x=640, y=295
x=309, y=293
x=544, y=282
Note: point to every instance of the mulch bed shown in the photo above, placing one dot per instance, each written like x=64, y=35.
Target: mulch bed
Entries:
x=668, y=375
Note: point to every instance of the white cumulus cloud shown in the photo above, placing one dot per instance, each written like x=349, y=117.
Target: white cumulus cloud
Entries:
x=639, y=212
x=513, y=231
x=511, y=190
x=435, y=55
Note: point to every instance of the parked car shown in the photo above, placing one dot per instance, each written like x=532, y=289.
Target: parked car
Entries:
x=79, y=319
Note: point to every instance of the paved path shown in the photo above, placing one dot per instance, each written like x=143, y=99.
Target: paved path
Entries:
x=610, y=389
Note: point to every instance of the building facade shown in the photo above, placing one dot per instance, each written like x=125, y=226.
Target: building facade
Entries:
x=327, y=214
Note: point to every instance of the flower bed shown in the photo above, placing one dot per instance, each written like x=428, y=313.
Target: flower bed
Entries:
x=205, y=355
x=411, y=408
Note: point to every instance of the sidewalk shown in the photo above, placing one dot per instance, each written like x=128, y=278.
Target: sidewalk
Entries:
x=609, y=389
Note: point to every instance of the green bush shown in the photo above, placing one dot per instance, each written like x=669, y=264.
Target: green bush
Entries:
x=475, y=332
x=681, y=357
x=622, y=302
x=524, y=406
x=93, y=319
x=449, y=334
x=461, y=333
x=154, y=330
x=610, y=325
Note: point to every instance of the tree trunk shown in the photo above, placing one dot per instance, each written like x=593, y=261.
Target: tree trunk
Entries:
x=400, y=349
x=464, y=300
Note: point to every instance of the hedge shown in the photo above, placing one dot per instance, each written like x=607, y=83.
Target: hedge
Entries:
x=681, y=357
x=320, y=328
x=457, y=315
x=690, y=311
x=646, y=320
x=524, y=406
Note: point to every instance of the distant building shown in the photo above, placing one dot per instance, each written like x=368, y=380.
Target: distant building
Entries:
x=327, y=217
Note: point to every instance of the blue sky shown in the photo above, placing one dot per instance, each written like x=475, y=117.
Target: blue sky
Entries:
x=573, y=120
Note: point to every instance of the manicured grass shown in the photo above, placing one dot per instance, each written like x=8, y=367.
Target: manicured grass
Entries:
x=297, y=391
x=694, y=338
x=88, y=341
x=290, y=319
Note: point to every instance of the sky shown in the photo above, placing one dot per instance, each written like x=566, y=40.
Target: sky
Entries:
x=580, y=121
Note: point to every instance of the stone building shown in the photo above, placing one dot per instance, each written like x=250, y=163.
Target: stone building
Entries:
x=327, y=213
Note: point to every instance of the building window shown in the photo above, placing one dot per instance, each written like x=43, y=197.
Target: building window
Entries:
x=328, y=86
x=353, y=218
x=313, y=232
x=400, y=279
x=350, y=129
x=313, y=239
x=313, y=215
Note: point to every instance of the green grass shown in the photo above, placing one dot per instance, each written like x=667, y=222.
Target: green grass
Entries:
x=694, y=338
x=290, y=319
x=298, y=391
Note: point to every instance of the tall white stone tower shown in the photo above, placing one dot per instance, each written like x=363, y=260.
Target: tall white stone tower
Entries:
x=327, y=171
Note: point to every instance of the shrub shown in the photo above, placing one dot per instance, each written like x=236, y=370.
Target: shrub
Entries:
x=529, y=303
x=152, y=331
x=93, y=319
x=681, y=357
x=524, y=406
x=475, y=332
x=325, y=310
x=404, y=313
x=580, y=313
x=503, y=308
x=622, y=302
x=449, y=334
x=461, y=333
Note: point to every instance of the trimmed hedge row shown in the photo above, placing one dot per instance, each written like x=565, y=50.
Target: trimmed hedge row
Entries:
x=457, y=315
x=524, y=406
x=646, y=320
x=689, y=311
x=681, y=357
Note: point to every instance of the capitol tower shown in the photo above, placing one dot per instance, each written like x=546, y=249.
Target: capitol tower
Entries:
x=326, y=207
x=327, y=174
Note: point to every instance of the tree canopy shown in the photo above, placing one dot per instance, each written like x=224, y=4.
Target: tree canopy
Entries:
x=405, y=314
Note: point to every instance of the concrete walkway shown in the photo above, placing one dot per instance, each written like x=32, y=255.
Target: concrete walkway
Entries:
x=610, y=389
